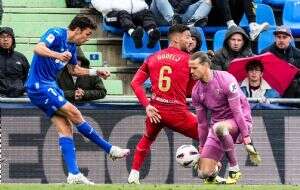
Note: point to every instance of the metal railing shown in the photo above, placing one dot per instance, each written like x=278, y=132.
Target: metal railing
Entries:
x=133, y=99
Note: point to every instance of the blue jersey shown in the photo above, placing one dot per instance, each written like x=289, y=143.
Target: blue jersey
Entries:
x=43, y=70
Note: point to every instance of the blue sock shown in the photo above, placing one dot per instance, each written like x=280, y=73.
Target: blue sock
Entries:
x=89, y=132
x=67, y=149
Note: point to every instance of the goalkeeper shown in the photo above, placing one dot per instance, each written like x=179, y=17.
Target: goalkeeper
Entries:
x=231, y=121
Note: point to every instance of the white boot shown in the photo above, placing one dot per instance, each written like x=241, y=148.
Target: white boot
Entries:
x=256, y=29
x=117, y=152
x=78, y=179
x=134, y=177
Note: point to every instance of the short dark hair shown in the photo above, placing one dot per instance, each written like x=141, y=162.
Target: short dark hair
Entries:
x=178, y=28
x=82, y=22
x=202, y=57
x=252, y=65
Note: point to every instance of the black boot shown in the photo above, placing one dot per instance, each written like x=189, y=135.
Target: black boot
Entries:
x=154, y=36
x=137, y=36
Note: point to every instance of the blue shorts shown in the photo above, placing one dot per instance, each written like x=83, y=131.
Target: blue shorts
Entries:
x=47, y=98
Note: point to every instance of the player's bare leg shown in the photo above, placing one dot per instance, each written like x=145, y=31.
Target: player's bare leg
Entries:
x=223, y=131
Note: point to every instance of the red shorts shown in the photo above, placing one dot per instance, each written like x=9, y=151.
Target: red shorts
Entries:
x=176, y=118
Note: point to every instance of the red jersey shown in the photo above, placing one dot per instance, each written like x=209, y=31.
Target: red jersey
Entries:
x=169, y=74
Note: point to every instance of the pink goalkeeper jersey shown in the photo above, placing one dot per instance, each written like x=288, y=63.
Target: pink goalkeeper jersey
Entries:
x=224, y=98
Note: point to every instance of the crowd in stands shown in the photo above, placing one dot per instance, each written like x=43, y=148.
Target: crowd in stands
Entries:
x=136, y=16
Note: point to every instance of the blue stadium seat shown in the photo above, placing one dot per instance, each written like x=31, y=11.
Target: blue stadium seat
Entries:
x=264, y=13
x=258, y=1
x=137, y=55
x=291, y=16
x=213, y=29
x=164, y=30
x=219, y=39
x=111, y=29
x=275, y=3
x=267, y=38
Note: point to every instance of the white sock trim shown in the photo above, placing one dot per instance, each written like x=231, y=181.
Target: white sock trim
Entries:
x=235, y=168
x=130, y=31
x=150, y=30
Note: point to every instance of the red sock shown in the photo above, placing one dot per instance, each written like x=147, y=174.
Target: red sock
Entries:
x=142, y=150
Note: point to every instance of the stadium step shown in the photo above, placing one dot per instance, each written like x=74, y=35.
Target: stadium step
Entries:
x=32, y=22
x=113, y=87
x=34, y=3
x=110, y=50
x=46, y=10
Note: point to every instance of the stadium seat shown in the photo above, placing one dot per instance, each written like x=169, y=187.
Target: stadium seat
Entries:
x=111, y=29
x=267, y=38
x=137, y=54
x=264, y=13
x=164, y=30
x=258, y=1
x=275, y=3
x=291, y=16
x=213, y=29
x=218, y=39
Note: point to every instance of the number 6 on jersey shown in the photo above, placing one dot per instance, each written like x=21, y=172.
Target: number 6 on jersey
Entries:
x=164, y=82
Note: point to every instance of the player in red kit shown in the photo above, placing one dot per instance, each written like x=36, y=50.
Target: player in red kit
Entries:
x=170, y=77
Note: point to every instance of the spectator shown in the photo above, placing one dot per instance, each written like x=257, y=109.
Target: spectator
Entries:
x=236, y=45
x=130, y=15
x=13, y=65
x=231, y=13
x=196, y=41
x=190, y=12
x=254, y=86
x=283, y=49
x=84, y=88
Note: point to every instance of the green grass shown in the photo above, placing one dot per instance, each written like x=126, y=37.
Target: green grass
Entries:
x=143, y=187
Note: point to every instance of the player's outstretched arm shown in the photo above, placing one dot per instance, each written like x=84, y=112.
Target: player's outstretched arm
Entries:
x=42, y=50
x=80, y=71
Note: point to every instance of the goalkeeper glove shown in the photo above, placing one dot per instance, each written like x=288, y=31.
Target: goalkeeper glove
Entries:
x=253, y=154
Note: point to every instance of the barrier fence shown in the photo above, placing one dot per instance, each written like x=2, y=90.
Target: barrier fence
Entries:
x=30, y=153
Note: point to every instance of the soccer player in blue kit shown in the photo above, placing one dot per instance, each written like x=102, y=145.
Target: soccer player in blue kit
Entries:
x=55, y=50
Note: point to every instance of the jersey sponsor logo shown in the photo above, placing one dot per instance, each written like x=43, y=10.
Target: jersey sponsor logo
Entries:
x=60, y=62
x=60, y=98
x=18, y=63
x=50, y=38
x=233, y=87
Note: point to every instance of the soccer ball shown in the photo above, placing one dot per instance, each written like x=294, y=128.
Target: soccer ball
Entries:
x=187, y=156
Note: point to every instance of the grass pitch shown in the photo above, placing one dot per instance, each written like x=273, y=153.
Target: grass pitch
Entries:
x=144, y=187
